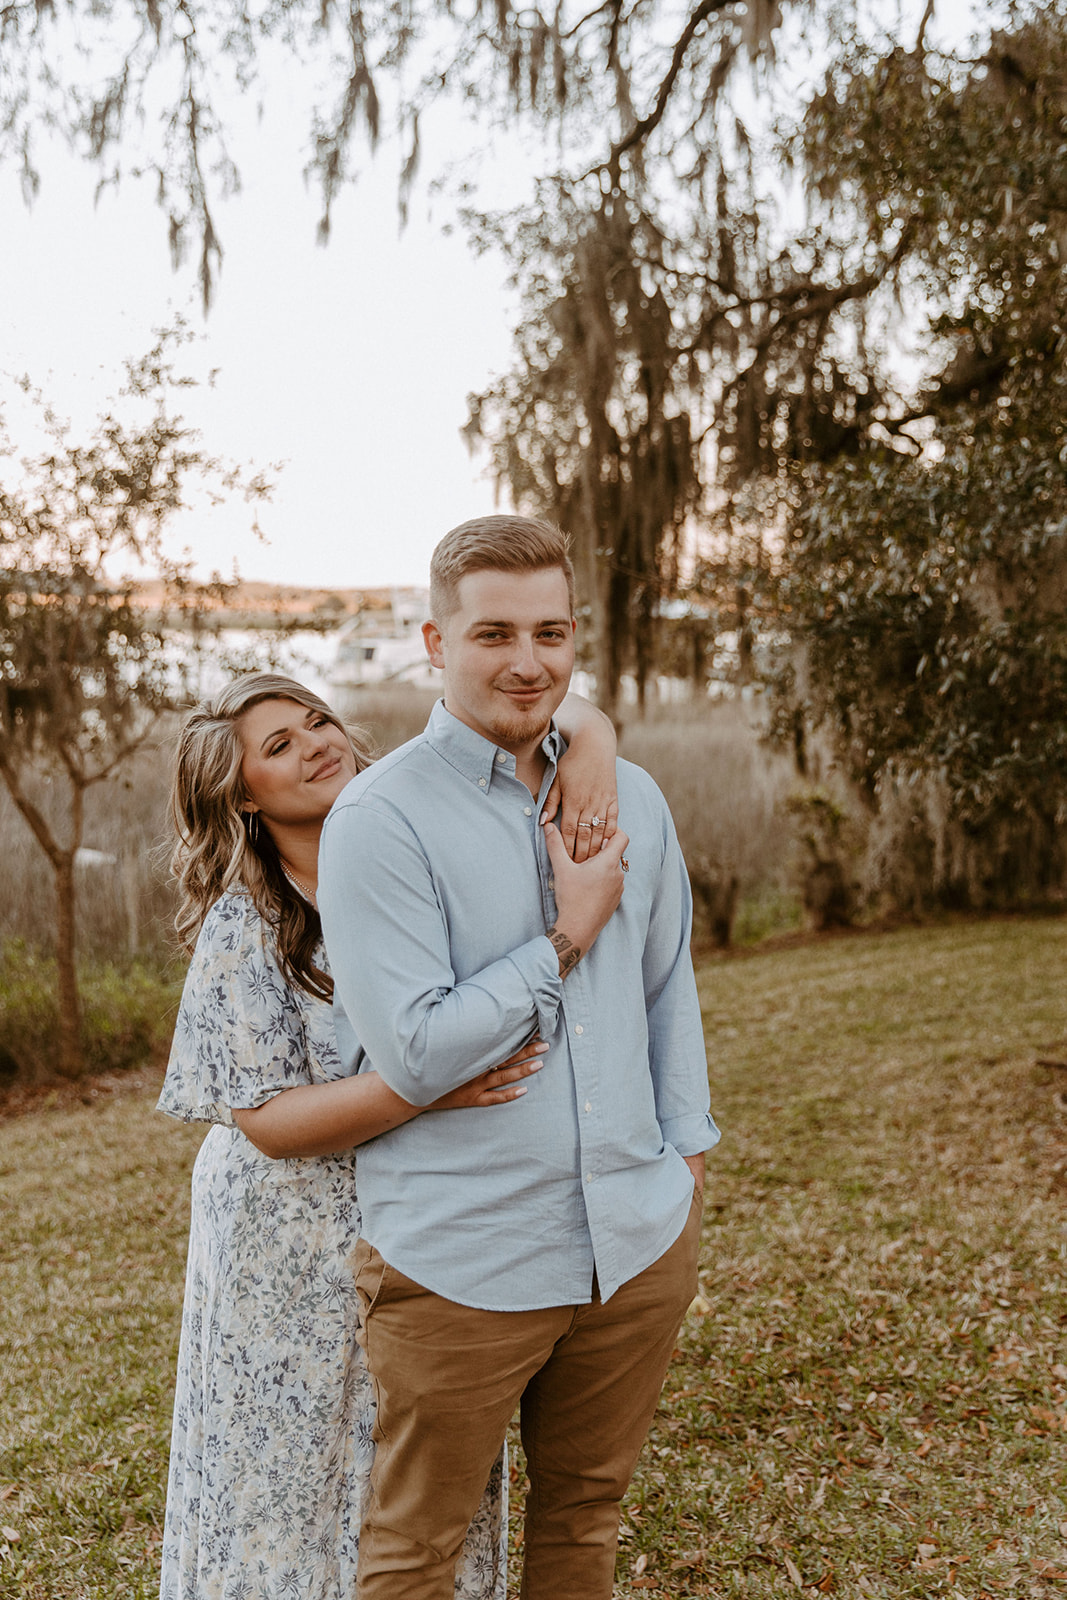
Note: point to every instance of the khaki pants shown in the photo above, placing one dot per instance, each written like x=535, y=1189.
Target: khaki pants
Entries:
x=448, y=1378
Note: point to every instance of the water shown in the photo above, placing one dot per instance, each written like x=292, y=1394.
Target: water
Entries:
x=305, y=655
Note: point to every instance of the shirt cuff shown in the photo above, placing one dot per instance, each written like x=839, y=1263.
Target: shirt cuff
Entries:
x=538, y=965
x=691, y=1135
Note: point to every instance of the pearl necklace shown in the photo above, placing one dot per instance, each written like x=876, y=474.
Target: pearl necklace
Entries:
x=309, y=894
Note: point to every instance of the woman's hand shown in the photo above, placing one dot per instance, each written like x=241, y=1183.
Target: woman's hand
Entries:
x=499, y=1084
x=320, y=1119
x=585, y=780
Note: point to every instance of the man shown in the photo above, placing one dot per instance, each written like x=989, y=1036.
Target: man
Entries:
x=543, y=1256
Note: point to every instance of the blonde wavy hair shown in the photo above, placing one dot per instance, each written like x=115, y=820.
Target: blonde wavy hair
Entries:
x=219, y=846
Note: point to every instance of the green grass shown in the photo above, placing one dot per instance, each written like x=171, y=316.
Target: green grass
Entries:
x=870, y=1395
x=95, y=1202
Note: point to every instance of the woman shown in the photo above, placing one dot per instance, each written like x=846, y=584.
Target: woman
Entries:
x=271, y=1445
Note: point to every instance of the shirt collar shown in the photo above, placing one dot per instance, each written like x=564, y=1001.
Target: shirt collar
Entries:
x=473, y=756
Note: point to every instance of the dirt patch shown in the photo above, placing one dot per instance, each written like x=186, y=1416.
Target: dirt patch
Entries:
x=60, y=1094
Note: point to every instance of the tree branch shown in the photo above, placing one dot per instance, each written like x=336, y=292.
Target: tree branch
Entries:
x=642, y=128
x=34, y=818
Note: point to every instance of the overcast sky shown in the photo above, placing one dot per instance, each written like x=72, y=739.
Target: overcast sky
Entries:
x=350, y=363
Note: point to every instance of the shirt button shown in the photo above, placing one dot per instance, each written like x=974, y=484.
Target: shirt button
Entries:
x=578, y=1028
x=589, y=1105
x=501, y=758
x=481, y=783
x=527, y=811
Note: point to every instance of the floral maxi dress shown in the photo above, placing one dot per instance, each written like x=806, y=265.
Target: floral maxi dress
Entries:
x=272, y=1445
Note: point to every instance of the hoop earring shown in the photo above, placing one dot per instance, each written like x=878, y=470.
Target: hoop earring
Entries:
x=253, y=828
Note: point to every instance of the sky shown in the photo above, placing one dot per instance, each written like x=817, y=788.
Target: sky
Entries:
x=349, y=363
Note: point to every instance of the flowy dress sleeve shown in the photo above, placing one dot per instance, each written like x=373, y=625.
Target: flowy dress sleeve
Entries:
x=239, y=1038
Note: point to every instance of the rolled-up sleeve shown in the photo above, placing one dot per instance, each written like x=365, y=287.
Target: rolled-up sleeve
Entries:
x=425, y=1030
x=677, y=1056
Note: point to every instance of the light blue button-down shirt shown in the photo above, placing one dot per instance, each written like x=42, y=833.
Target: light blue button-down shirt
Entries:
x=435, y=890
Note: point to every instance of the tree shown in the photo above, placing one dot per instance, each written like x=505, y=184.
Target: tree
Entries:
x=679, y=325
x=928, y=560
x=85, y=670
x=587, y=428
x=687, y=335
x=149, y=87
x=628, y=106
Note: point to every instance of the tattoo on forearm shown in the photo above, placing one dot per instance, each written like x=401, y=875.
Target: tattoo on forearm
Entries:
x=568, y=953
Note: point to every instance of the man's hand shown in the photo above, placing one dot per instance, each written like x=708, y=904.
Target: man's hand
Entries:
x=696, y=1165
x=587, y=894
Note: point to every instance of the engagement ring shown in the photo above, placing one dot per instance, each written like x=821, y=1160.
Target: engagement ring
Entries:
x=597, y=822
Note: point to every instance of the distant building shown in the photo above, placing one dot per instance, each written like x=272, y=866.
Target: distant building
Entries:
x=385, y=645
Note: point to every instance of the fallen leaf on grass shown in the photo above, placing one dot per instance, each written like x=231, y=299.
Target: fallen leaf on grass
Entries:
x=794, y=1573
x=925, y=1448
x=12, y=1535
x=5, y=1494
x=1047, y=1569
x=640, y=1564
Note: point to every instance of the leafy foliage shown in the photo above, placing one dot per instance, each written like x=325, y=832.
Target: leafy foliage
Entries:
x=127, y=1015
x=929, y=566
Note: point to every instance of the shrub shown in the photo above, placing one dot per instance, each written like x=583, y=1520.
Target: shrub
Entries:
x=829, y=844
x=127, y=1014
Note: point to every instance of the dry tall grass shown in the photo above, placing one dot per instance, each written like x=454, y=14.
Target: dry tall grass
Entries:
x=123, y=898
x=726, y=789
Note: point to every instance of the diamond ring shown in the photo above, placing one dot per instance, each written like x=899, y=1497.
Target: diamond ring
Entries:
x=597, y=822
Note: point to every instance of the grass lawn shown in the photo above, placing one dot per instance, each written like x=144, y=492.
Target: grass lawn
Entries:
x=870, y=1394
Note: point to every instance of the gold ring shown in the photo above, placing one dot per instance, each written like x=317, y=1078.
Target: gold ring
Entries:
x=624, y=864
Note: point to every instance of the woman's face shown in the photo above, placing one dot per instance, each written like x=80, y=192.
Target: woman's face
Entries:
x=295, y=762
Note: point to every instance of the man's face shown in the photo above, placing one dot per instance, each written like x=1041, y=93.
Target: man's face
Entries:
x=508, y=652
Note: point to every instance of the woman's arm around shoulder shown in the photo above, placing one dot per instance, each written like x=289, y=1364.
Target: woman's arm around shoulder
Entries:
x=585, y=787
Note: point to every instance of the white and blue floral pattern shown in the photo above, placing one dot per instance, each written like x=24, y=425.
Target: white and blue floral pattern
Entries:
x=271, y=1447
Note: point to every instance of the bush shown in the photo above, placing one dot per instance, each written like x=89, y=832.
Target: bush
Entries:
x=127, y=1014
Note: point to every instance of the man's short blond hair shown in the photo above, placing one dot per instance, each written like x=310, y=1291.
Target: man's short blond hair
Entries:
x=495, y=544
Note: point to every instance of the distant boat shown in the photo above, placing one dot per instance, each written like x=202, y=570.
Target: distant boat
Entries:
x=384, y=645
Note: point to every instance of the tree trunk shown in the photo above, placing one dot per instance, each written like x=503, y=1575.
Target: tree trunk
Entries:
x=745, y=637
x=71, y=1055
x=593, y=575
x=71, y=1061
